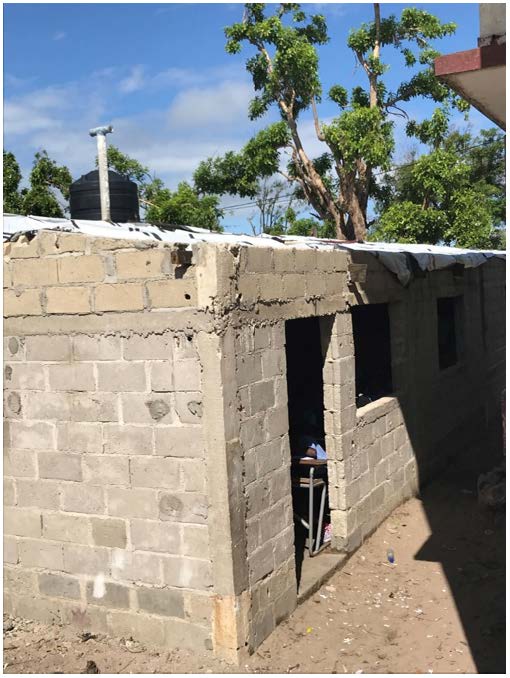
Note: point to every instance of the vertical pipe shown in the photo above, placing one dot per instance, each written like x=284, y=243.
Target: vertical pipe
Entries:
x=104, y=189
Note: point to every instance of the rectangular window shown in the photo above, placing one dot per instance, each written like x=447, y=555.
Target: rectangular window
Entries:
x=372, y=350
x=448, y=309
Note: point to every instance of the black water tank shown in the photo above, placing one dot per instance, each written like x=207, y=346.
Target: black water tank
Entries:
x=85, y=202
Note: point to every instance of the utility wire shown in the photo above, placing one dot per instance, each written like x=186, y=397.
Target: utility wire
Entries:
x=283, y=198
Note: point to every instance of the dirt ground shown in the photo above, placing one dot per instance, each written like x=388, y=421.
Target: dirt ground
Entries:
x=439, y=608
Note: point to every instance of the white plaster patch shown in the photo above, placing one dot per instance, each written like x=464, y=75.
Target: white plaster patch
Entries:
x=99, y=586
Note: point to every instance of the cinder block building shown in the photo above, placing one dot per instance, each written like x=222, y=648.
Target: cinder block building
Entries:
x=149, y=379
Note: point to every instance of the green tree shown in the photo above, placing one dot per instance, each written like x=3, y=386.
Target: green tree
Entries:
x=183, y=206
x=284, y=68
x=12, y=179
x=453, y=195
x=46, y=181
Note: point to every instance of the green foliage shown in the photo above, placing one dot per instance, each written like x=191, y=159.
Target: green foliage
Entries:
x=126, y=166
x=12, y=179
x=284, y=68
x=454, y=195
x=46, y=180
x=184, y=207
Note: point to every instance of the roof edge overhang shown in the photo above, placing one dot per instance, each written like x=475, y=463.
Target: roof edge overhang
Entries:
x=454, y=70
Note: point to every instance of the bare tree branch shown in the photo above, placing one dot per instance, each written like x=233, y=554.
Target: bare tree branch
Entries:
x=318, y=132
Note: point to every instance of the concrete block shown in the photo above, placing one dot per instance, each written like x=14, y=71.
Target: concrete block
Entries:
x=132, y=503
x=73, y=377
x=271, y=286
x=14, y=348
x=252, y=432
x=161, y=376
x=124, y=439
x=172, y=293
x=269, y=457
x=277, y=422
x=9, y=492
x=11, y=550
x=46, y=405
x=261, y=563
x=155, y=536
x=88, y=268
x=257, y=497
x=73, y=300
x=80, y=437
x=26, y=302
x=13, y=406
x=198, y=608
x=120, y=377
x=189, y=407
x=87, y=560
x=283, y=259
x=145, y=629
x=85, y=618
x=109, y=532
x=185, y=508
x=154, y=472
x=189, y=573
x=57, y=466
x=38, y=553
x=192, y=475
x=136, y=567
x=118, y=297
x=257, y=259
x=20, y=463
x=96, y=347
x=22, y=522
x=59, y=243
x=59, y=586
x=195, y=541
x=97, y=407
x=248, y=369
x=305, y=259
x=24, y=377
x=34, y=273
x=293, y=286
x=43, y=494
x=146, y=264
x=179, y=441
x=62, y=527
x=387, y=445
x=108, y=594
x=249, y=288
x=32, y=435
x=43, y=610
x=106, y=470
x=83, y=498
x=18, y=580
x=7, y=275
x=273, y=363
x=261, y=396
x=285, y=605
x=163, y=602
x=187, y=375
x=149, y=347
x=374, y=454
x=182, y=634
x=48, y=348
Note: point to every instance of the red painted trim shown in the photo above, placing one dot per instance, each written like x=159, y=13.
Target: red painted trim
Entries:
x=470, y=60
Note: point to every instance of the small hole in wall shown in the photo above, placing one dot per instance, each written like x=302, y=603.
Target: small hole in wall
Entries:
x=189, y=337
x=187, y=296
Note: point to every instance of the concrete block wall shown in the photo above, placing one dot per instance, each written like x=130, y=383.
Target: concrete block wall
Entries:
x=105, y=476
x=262, y=396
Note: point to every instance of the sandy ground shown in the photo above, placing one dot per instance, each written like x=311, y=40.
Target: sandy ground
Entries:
x=438, y=609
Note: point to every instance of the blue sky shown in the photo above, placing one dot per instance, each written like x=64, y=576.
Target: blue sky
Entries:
x=160, y=74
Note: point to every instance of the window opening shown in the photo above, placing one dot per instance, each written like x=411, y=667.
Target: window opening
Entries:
x=372, y=350
x=447, y=331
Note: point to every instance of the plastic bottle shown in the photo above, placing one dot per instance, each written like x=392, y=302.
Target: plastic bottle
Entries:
x=391, y=556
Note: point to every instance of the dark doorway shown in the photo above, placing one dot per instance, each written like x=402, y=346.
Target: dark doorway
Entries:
x=305, y=388
x=372, y=350
x=305, y=391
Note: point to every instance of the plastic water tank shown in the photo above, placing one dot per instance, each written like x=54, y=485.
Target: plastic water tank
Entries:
x=85, y=202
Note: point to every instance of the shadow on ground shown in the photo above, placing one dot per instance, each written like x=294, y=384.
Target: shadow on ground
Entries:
x=469, y=543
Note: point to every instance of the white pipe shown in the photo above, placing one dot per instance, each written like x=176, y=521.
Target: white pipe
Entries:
x=102, y=163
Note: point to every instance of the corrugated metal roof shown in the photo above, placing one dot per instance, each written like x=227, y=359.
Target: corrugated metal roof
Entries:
x=394, y=256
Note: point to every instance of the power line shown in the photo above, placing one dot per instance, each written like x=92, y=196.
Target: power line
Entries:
x=283, y=198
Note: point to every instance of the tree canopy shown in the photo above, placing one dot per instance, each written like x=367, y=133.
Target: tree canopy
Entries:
x=284, y=67
x=454, y=195
x=46, y=180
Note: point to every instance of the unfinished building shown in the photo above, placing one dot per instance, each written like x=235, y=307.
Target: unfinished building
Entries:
x=150, y=397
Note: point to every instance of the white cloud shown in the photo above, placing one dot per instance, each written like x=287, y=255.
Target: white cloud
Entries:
x=59, y=35
x=135, y=81
x=220, y=105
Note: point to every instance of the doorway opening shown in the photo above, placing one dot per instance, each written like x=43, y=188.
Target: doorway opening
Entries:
x=305, y=391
